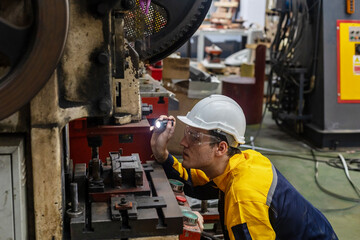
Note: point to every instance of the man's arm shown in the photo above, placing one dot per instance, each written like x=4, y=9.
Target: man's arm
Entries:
x=196, y=183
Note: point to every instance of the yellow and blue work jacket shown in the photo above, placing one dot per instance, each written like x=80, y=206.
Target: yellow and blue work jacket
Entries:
x=259, y=203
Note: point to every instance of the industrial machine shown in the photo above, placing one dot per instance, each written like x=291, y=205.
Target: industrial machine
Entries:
x=122, y=199
x=314, y=76
x=62, y=60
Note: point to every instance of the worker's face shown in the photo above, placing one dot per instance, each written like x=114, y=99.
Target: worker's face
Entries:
x=197, y=153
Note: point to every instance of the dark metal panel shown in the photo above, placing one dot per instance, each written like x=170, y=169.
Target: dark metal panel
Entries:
x=163, y=188
x=314, y=105
x=336, y=116
x=332, y=123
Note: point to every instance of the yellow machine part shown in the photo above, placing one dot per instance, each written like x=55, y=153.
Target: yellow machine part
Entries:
x=348, y=61
x=350, y=6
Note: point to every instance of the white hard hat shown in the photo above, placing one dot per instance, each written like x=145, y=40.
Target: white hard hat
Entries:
x=218, y=112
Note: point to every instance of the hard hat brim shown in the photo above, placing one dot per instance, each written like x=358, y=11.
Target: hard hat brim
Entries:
x=187, y=121
x=191, y=123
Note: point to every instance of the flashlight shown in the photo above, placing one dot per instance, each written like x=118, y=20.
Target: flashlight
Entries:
x=160, y=125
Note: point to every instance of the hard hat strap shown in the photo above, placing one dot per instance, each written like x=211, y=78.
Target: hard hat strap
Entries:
x=229, y=138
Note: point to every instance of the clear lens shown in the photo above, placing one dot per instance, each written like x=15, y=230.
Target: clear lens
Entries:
x=157, y=124
x=195, y=137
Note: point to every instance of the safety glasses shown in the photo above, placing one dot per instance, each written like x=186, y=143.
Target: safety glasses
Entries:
x=198, y=138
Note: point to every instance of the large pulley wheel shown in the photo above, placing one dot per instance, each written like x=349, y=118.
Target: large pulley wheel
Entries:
x=166, y=27
x=31, y=68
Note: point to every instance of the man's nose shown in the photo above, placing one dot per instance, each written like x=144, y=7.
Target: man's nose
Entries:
x=183, y=142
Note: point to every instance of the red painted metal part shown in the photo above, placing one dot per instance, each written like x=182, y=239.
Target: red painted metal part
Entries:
x=211, y=216
x=181, y=198
x=155, y=72
x=80, y=152
x=189, y=232
x=160, y=106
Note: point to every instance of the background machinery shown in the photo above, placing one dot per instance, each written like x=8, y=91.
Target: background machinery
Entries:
x=314, y=84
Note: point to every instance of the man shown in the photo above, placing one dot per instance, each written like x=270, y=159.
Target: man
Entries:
x=256, y=201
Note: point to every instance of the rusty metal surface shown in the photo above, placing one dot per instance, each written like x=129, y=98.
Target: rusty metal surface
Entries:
x=30, y=73
x=126, y=90
x=84, y=70
x=45, y=145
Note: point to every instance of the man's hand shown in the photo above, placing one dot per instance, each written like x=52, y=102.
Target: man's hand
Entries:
x=160, y=139
x=200, y=220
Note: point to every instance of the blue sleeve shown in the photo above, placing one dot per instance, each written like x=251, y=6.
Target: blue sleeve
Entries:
x=203, y=192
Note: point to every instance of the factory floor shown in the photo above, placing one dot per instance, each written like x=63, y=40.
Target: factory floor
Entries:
x=343, y=215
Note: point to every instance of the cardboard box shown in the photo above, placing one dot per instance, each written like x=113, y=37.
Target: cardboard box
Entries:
x=185, y=105
x=181, y=89
x=176, y=68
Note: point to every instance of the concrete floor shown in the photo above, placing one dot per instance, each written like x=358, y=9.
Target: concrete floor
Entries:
x=301, y=173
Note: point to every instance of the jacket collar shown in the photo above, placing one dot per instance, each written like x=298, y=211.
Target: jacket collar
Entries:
x=234, y=165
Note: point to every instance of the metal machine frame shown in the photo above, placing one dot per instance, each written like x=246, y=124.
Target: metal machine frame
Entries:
x=125, y=199
x=75, y=60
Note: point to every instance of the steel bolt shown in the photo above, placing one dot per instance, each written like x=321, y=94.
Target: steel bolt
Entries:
x=74, y=197
x=103, y=58
x=105, y=105
x=128, y=4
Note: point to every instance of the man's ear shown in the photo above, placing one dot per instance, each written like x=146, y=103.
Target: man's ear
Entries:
x=222, y=148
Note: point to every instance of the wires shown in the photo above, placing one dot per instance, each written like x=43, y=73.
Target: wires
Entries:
x=352, y=164
x=253, y=138
x=275, y=152
x=288, y=60
x=356, y=189
x=347, y=176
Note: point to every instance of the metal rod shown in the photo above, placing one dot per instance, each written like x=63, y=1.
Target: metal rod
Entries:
x=203, y=206
x=74, y=197
x=95, y=169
